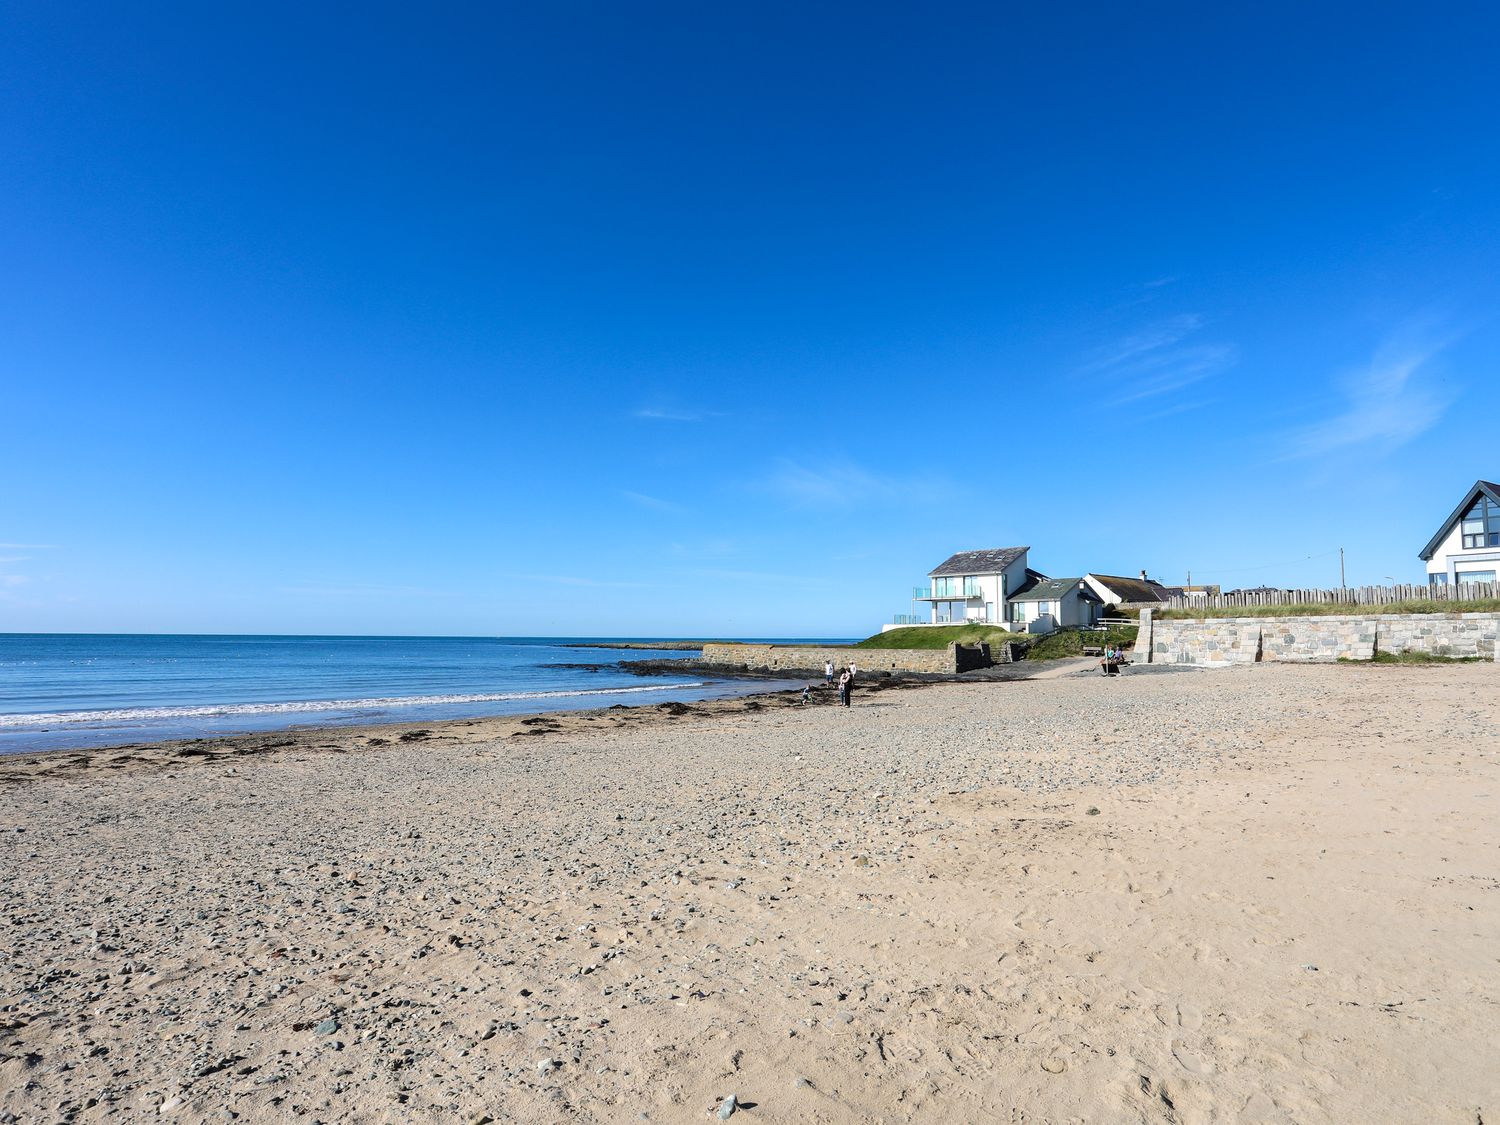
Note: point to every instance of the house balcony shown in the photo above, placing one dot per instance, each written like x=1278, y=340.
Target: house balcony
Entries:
x=965, y=593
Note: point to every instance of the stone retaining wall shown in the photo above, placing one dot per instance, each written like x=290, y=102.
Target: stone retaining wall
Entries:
x=796, y=658
x=1243, y=640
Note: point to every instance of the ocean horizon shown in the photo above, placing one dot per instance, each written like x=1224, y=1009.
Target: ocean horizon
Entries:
x=81, y=690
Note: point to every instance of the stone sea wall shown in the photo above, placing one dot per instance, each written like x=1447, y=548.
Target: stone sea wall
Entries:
x=1244, y=640
x=797, y=658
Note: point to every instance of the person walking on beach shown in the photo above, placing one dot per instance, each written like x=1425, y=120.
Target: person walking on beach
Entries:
x=846, y=685
x=828, y=672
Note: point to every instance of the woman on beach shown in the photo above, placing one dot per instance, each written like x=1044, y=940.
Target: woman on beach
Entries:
x=846, y=684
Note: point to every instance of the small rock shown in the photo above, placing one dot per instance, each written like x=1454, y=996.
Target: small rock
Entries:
x=327, y=1027
x=1054, y=1066
x=727, y=1107
x=547, y=1066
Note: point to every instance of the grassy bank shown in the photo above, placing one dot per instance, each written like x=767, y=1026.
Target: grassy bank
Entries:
x=941, y=637
x=1054, y=646
x=1071, y=642
x=1426, y=605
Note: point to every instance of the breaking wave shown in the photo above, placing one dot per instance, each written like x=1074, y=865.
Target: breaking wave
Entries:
x=209, y=711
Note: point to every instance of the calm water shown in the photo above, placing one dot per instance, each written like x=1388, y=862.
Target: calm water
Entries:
x=69, y=690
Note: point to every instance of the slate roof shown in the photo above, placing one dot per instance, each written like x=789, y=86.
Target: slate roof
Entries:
x=979, y=562
x=1051, y=590
x=1131, y=589
x=1481, y=488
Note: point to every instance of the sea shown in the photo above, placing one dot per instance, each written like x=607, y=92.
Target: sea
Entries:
x=72, y=690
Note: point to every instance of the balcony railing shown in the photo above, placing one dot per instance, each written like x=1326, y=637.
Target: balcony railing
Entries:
x=946, y=593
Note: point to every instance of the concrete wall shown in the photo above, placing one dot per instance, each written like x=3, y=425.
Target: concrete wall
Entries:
x=810, y=661
x=1243, y=640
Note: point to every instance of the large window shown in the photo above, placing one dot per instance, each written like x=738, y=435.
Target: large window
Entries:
x=1481, y=526
x=956, y=588
x=1476, y=576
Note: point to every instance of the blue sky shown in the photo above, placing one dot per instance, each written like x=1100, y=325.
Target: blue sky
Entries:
x=683, y=319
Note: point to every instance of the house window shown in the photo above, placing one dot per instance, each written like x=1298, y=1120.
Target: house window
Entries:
x=1481, y=525
x=1017, y=612
x=1437, y=580
x=1476, y=575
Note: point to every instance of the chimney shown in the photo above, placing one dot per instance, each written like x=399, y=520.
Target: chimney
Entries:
x=1143, y=577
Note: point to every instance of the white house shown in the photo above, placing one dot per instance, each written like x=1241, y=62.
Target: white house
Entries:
x=975, y=586
x=1047, y=604
x=1467, y=547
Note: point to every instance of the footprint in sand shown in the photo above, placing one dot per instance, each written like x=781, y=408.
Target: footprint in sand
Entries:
x=1261, y=1110
x=1183, y=1015
x=1192, y=1063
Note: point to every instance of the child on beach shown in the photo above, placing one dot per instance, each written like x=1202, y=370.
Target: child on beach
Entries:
x=806, y=693
x=828, y=672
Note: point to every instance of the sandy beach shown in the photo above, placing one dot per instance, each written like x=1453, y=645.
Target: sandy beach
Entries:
x=1265, y=894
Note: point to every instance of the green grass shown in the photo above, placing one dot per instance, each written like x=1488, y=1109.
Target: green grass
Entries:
x=1054, y=646
x=1426, y=605
x=941, y=636
x=1071, y=642
x=1417, y=658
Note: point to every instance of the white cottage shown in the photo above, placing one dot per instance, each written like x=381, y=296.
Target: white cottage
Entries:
x=1467, y=547
x=1049, y=604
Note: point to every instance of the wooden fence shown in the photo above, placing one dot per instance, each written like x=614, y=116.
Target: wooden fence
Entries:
x=1352, y=595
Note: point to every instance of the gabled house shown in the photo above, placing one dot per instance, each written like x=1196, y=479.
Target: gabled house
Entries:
x=1112, y=589
x=1046, y=604
x=1467, y=547
x=974, y=586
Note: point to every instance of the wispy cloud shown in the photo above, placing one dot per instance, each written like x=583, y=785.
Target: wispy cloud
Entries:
x=581, y=581
x=655, y=503
x=837, y=484
x=1385, y=404
x=660, y=413
x=1158, y=359
x=762, y=577
x=364, y=590
x=28, y=546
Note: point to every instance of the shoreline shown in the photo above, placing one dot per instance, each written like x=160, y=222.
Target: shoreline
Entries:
x=347, y=736
x=32, y=765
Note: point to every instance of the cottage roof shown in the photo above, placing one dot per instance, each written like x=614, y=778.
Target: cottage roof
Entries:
x=1481, y=488
x=979, y=562
x=1053, y=589
x=1131, y=589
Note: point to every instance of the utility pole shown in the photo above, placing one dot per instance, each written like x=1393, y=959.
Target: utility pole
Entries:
x=1342, y=586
